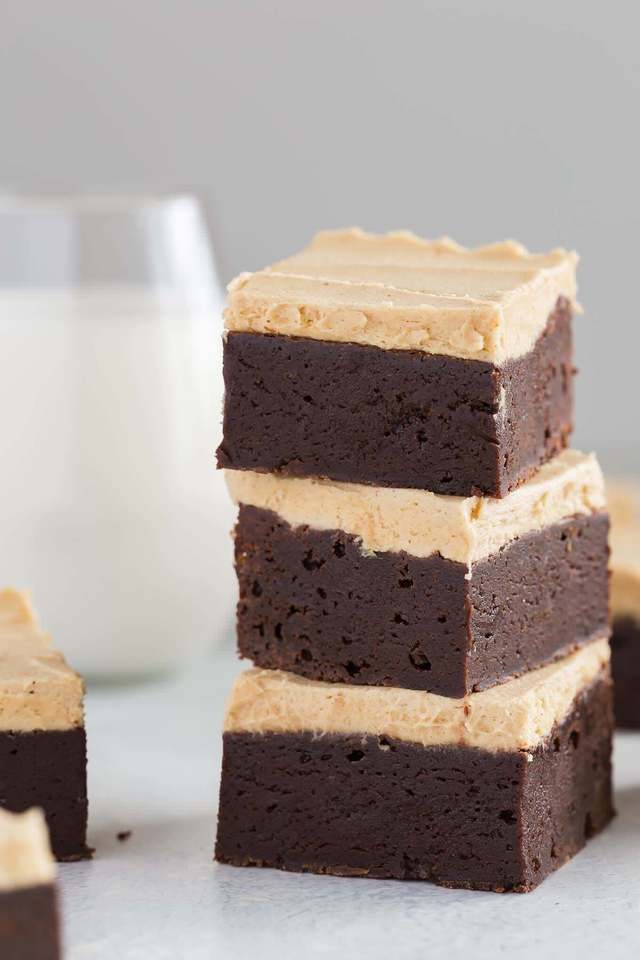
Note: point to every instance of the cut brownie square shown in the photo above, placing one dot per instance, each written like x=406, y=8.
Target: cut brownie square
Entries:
x=406, y=588
x=42, y=737
x=29, y=928
x=396, y=361
x=491, y=792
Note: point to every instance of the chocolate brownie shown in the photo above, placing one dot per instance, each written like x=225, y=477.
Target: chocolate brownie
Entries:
x=624, y=503
x=412, y=589
x=344, y=364
x=29, y=928
x=498, y=809
x=312, y=603
x=42, y=737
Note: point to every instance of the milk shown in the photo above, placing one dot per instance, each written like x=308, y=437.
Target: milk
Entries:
x=110, y=506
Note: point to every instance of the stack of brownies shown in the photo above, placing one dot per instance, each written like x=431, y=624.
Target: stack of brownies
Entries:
x=422, y=567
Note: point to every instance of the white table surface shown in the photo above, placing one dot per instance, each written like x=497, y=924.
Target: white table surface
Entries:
x=154, y=754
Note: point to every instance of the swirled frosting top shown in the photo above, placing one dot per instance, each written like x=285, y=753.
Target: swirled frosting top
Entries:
x=398, y=291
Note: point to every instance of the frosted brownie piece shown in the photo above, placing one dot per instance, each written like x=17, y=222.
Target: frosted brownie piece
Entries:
x=42, y=737
x=491, y=792
x=407, y=588
x=28, y=903
x=624, y=503
x=401, y=362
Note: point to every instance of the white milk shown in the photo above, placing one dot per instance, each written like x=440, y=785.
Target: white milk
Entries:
x=111, y=509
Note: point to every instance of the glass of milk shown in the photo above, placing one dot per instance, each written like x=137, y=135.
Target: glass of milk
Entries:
x=111, y=510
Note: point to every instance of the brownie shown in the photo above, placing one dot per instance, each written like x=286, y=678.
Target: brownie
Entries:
x=400, y=418
x=625, y=664
x=376, y=806
x=29, y=928
x=311, y=602
x=47, y=769
x=29, y=924
x=623, y=498
x=43, y=759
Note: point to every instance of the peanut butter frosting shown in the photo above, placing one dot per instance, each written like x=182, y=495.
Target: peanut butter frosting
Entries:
x=517, y=715
x=38, y=690
x=398, y=291
x=624, y=507
x=25, y=853
x=464, y=529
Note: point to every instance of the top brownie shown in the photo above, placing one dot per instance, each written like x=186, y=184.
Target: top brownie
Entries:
x=397, y=361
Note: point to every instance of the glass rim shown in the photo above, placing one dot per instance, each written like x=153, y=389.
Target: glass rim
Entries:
x=93, y=202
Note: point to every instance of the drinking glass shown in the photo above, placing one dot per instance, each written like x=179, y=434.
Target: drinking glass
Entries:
x=111, y=510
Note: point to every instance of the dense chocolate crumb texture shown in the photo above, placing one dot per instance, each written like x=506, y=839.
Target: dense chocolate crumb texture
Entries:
x=624, y=504
x=397, y=361
x=490, y=792
x=29, y=924
x=42, y=737
x=412, y=589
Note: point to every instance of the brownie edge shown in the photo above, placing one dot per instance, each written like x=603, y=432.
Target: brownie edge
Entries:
x=625, y=664
x=380, y=807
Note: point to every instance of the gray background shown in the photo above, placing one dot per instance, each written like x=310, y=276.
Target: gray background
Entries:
x=477, y=119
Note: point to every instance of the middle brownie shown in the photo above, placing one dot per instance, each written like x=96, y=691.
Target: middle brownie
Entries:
x=348, y=583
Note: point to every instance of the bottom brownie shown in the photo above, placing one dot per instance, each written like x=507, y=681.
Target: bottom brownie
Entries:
x=47, y=769
x=29, y=924
x=625, y=664
x=381, y=807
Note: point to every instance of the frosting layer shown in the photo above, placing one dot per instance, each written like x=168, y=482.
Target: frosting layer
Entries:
x=624, y=506
x=465, y=529
x=25, y=853
x=513, y=716
x=38, y=690
x=398, y=291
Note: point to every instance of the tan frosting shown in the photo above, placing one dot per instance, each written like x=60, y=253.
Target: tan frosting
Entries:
x=624, y=507
x=512, y=716
x=38, y=691
x=465, y=529
x=398, y=291
x=25, y=853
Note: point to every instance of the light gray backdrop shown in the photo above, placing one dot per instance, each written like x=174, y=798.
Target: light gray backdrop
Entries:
x=481, y=119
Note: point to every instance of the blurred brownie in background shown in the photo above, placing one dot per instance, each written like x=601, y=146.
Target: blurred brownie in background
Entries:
x=624, y=506
x=29, y=927
x=43, y=759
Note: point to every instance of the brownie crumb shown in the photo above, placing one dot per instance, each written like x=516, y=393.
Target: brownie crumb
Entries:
x=123, y=836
